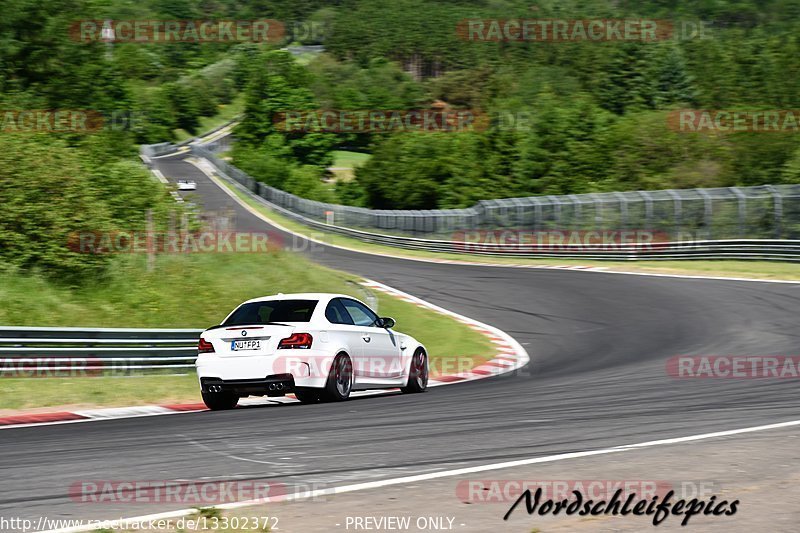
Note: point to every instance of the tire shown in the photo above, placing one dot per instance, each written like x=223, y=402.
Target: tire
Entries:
x=220, y=401
x=308, y=395
x=340, y=379
x=417, y=374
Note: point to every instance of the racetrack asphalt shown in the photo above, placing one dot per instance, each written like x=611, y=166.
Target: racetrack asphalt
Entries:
x=598, y=344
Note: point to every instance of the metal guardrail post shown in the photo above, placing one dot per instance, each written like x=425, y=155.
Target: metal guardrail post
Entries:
x=648, y=208
x=598, y=208
x=556, y=207
x=742, y=209
x=778, y=210
x=676, y=201
x=708, y=210
x=623, y=208
x=577, y=211
x=520, y=211
x=537, y=213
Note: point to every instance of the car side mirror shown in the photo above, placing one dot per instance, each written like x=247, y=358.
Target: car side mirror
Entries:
x=385, y=322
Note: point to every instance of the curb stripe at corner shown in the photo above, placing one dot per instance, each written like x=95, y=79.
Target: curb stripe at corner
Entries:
x=510, y=355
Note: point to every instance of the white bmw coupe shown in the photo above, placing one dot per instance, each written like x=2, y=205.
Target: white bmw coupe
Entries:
x=320, y=347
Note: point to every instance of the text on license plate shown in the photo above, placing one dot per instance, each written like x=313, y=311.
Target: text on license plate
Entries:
x=250, y=344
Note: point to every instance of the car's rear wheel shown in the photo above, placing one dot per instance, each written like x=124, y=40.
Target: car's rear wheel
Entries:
x=218, y=401
x=308, y=395
x=418, y=373
x=340, y=379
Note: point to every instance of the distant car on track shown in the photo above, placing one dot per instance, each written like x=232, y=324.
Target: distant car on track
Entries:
x=320, y=347
x=187, y=185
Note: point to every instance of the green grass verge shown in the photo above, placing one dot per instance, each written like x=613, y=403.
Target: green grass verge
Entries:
x=226, y=113
x=188, y=291
x=726, y=267
x=30, y=393
x=344, y=158
x=345, y=163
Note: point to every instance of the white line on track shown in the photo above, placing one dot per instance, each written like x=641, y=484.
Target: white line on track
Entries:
x=82, y=420
x=179, y=151
x=446, y=473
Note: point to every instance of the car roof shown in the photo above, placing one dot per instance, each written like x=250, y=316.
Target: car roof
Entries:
x=322, y=296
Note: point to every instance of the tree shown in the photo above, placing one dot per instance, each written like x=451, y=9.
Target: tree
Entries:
x=673, y=84
x=625, y=85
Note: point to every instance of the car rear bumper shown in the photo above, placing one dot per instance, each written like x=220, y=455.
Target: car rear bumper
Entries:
x=269, y=386
x=306, y=369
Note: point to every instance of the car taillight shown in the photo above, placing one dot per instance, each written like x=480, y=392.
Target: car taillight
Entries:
x=297, y=340
x=204, y=346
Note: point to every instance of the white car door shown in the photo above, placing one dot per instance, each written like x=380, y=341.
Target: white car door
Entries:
x=381, y=347
x=342, y=324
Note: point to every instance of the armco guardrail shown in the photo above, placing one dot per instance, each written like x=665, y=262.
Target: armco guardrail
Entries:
x=165, y=148
x=40, y=352
x=761, y=222
x=759, y=212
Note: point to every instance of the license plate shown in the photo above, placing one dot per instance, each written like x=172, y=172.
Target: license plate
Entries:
x=249, y=344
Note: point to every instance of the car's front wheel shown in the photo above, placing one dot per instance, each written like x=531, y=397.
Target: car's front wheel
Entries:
x=340, y=379
x=418, y=373
x=218, y=401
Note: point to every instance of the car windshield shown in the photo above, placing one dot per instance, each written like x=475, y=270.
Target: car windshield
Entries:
x=272, y=311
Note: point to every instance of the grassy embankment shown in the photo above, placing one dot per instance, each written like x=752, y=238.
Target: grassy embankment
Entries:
x=345, y=163
x=226, y=113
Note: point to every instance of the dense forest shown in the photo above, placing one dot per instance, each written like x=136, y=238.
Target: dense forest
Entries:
x=564, y=117
x=57, y=183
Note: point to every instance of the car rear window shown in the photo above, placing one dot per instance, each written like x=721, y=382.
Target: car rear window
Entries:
x=272, y=311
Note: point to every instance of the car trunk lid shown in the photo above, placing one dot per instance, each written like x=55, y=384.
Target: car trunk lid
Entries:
x=247, y=340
